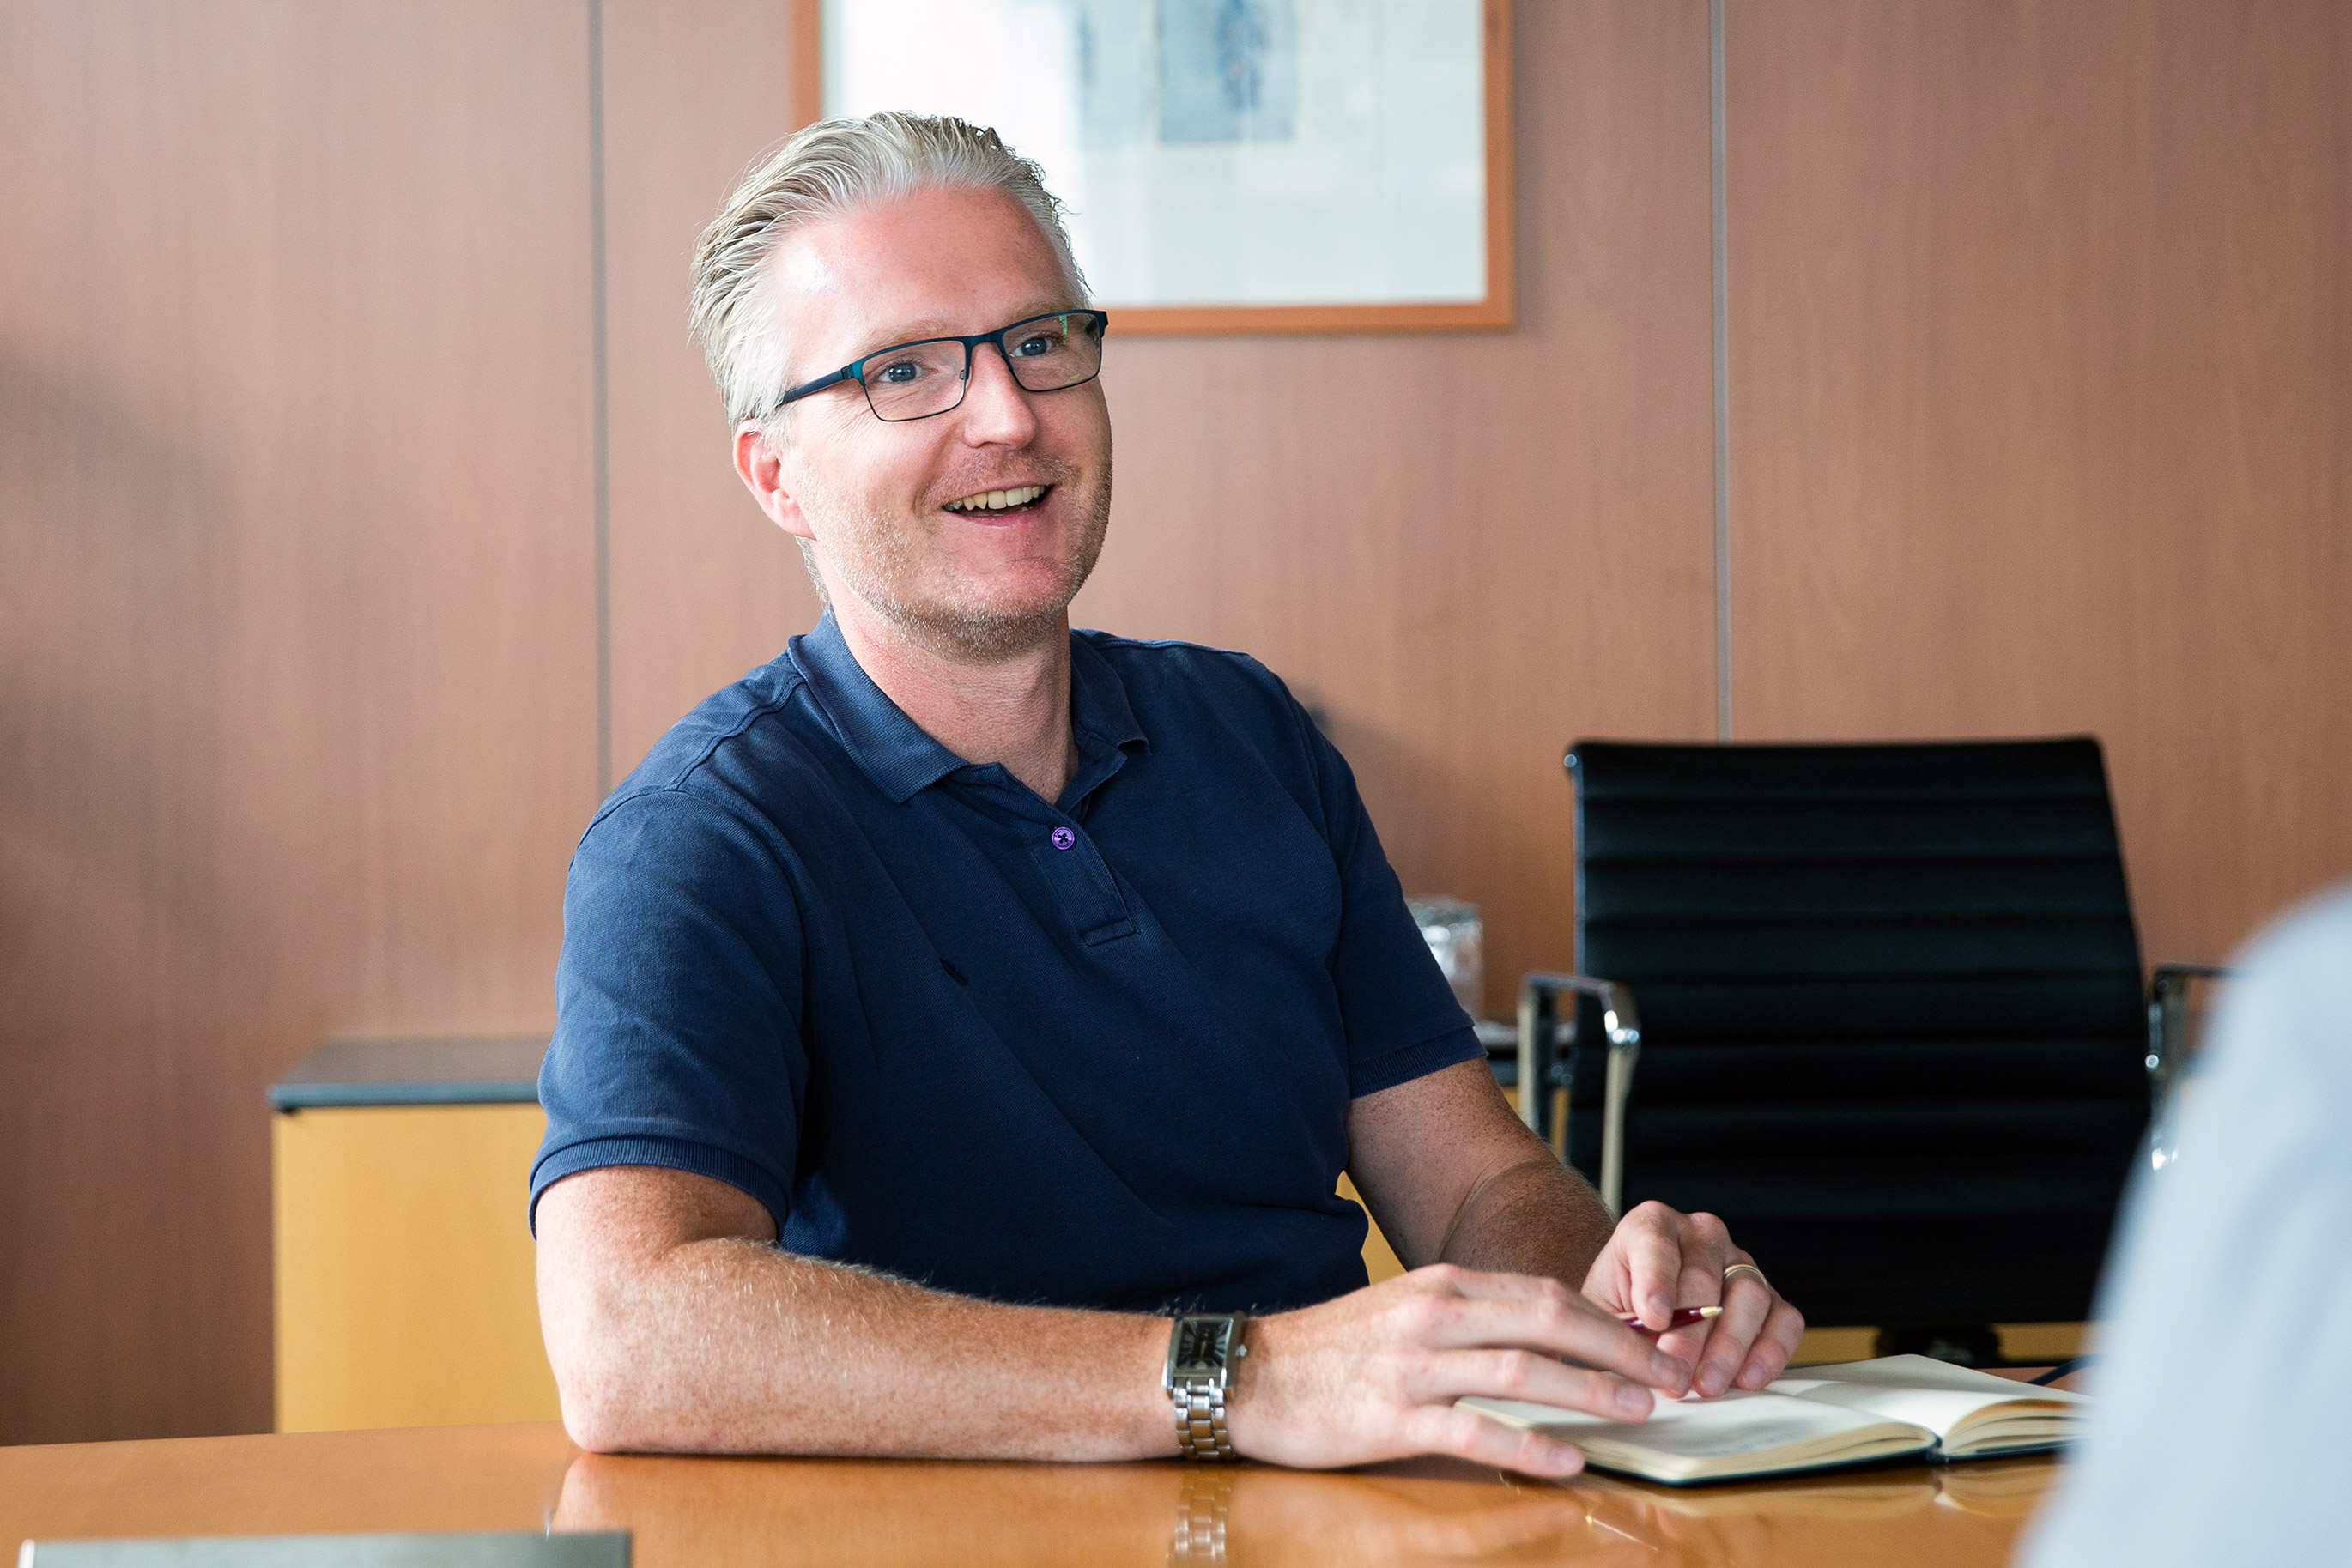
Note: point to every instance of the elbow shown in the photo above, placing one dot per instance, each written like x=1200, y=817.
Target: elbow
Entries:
x=601, y=1382
x=595, y=1403
x=609, y=1406
x=597, y=1424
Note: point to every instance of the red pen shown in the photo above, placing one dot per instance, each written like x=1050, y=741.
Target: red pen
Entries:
x=1684, y=1317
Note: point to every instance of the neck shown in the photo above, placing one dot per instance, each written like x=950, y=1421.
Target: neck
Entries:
x=1012, y=708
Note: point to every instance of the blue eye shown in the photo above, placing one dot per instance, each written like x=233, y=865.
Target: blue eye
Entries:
x=896, y=373
x=1031, y=347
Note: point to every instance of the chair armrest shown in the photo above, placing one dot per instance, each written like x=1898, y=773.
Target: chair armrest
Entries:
x=1539, y=1061
x=2168, y=1019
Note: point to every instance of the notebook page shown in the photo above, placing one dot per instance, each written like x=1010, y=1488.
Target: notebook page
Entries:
x=1927, y=1371
x=1735, y=1423
x=1930, y=1394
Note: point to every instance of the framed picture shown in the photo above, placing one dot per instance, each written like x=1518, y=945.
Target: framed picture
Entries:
x=1229, y=165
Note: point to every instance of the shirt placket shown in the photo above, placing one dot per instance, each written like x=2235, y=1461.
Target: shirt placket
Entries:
x=1080, y=878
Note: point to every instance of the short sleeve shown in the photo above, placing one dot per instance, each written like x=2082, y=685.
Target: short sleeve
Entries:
x=1400, y=1016
x=679, y=1000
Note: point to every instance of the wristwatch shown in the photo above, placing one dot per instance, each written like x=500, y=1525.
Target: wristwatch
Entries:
x=1202, y=1351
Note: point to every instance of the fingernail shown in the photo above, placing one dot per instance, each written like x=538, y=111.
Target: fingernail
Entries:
x=1714, y=1378
x=1660, y=1307
x=1669, y=1370
x=1634, y=1401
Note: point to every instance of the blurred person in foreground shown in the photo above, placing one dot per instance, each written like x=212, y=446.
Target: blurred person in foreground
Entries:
x=955, y=999
x=2224, y=1377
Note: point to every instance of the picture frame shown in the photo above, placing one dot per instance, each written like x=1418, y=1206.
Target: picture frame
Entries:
x=1231, y=166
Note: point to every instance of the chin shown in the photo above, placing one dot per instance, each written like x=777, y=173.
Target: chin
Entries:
x=984, y=626
x=996, y=612
x=981, y=637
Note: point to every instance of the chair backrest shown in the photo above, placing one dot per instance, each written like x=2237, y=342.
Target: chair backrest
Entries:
x=1882, y=988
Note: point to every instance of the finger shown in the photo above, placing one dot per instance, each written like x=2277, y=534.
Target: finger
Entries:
x=1465, y=1433
x=1562, y=1325
x=1650, y=1242
x=1768, y=1356
x=1706, y=1251
x=1745, y=1305
x=1686, y=1345
x=1528, y=1376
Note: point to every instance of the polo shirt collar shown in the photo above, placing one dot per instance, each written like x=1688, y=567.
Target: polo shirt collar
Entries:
x=1100, y=710
x=894, y=751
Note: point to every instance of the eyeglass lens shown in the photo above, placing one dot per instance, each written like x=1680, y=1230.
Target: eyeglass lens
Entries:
x=916, y=380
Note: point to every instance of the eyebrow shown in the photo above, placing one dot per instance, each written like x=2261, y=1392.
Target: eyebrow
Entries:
x=927, y=330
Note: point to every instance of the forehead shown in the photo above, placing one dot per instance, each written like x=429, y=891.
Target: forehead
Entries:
x=945, y=262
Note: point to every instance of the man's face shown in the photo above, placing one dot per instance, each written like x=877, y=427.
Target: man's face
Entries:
x=876, y=498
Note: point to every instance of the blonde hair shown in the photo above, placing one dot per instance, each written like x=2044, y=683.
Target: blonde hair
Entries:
x=837, y=166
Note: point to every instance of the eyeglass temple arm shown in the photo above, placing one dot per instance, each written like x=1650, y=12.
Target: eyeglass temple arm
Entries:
x=818, y=385
x=2167, y=1020
x=1541, y=1069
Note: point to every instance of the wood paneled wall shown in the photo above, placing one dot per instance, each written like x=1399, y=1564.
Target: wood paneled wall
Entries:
x=2040, y=391
x=297, y=721
x=2041, y=347
x=704, y=588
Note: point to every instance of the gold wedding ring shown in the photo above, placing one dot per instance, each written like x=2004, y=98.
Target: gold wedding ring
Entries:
x=1745, y=1269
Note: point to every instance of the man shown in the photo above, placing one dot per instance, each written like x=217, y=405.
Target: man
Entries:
x=956, y=993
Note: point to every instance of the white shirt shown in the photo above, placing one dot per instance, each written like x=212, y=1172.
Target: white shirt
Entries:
x=2223, y=1432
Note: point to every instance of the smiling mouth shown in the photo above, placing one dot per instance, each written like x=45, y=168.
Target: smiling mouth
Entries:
x=1000, y=503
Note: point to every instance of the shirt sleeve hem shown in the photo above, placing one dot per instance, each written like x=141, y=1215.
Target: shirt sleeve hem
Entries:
x=672, y=1154
x=1412, y=1061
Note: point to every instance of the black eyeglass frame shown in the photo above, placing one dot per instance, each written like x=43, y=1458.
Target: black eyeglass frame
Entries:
x=855, y=370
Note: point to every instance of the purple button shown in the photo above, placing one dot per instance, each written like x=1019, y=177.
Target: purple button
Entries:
x=1064, y=837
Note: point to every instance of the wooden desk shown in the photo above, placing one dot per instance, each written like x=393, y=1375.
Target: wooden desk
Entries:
x=828, y=1511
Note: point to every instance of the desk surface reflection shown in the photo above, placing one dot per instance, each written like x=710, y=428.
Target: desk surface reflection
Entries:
x=862, y=1512
x=870, y=1514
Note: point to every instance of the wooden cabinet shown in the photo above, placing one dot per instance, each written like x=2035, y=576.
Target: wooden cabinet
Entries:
x=403, y=1260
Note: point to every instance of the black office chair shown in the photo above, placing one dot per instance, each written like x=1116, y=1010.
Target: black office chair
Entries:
x=1891, y=1026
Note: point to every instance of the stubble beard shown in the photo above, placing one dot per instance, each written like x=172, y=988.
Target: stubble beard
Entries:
x=879, y=556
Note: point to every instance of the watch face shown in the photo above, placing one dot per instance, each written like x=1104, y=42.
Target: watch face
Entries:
x=1201, y=1344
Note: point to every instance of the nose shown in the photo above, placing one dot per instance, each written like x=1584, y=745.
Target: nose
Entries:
x=995, y=410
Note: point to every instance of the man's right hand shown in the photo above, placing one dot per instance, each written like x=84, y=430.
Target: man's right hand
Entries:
x=1373, y=1375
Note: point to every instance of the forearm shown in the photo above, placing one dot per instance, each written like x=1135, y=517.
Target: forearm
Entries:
x=1533, y=1216
x=724, y=1345
x=1455, y=1177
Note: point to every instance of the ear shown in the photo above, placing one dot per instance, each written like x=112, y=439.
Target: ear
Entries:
x=762, y=470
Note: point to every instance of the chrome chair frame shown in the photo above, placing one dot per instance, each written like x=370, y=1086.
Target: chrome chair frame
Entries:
x=1542, y=1069
x=2167, y=1020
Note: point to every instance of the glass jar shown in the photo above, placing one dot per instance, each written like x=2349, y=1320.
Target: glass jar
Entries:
x=1457, y=939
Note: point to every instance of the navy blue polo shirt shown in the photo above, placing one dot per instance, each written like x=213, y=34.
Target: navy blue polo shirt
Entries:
x=1095, y=1052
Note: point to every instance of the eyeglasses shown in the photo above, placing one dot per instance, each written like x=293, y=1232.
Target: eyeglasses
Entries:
x=918, y=380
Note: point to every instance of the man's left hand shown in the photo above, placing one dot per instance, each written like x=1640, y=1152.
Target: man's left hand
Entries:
x=1658, y=1260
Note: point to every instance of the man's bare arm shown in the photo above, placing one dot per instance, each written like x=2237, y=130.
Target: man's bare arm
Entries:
x=1454, y=1177
x=674, y=1324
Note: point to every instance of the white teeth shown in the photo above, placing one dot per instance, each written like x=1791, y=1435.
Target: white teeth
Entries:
x=998, y=500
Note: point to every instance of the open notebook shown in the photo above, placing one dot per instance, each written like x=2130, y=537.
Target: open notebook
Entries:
x=1817, y=1416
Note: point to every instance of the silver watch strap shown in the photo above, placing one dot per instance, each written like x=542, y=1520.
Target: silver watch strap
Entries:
x=1200, y=1422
